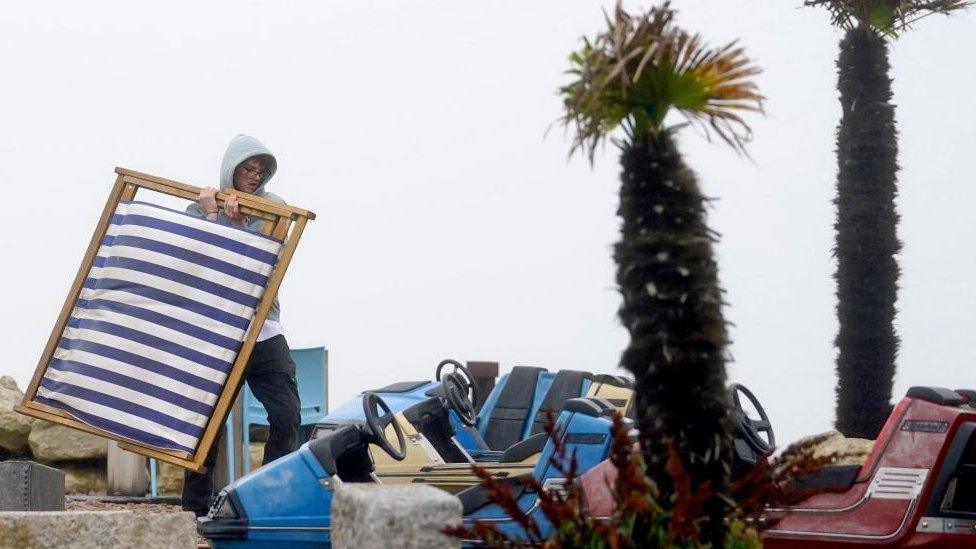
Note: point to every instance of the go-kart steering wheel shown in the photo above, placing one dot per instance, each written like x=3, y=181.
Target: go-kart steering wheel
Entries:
x=372, y=403
x=751, y=428
x=467, y=379
x=457, y=399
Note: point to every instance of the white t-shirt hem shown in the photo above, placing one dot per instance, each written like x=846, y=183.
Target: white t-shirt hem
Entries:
x=270, y=329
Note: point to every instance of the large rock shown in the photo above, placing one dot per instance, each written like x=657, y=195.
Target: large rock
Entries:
x=95, y=529
x=85, y=479
x=169, y=478
x=256, y=454
x=52, y=442
x=14, y=427
x=851, y=451
x=409, y=516
x=845, y=451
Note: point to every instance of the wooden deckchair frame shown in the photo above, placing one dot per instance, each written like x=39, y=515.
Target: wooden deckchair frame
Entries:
x=282, y=222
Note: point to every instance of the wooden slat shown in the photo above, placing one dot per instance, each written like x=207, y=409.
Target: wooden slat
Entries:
x=247, y=207
x=69, y=302
x=47, y=413
x=57, y=412
x=162, y=455
x=280, y=230
x=129, y=192
x=182, y=189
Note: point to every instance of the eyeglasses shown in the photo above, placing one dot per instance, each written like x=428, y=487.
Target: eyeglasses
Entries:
x=254, y=172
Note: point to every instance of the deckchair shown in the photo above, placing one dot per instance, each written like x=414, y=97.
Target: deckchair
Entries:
x=154, y=335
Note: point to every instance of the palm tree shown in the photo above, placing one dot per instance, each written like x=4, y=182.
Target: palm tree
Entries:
x=866, y=225
x=631, y=76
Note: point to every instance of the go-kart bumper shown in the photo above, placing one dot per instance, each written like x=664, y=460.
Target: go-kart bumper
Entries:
x=238, y=533
x=222, y=528
x=225, y=520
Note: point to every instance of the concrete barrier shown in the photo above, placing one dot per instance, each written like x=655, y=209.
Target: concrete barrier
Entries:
x=95, y=529
x=29, y=486
x=405, y=517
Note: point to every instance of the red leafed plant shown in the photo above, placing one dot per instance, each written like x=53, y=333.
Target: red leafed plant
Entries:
x=767, y=485
x=637, y=520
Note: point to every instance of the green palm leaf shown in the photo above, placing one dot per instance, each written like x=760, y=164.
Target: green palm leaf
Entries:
x=888, y=17
x=640, y=68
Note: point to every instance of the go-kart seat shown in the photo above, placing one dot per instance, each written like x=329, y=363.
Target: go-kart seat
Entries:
x=507, y=423
x=566, y=385
x=507, y=417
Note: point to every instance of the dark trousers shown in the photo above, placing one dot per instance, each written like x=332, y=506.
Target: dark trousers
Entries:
x=270, y=373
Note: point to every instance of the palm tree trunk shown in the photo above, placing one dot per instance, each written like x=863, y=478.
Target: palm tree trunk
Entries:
x=672, y=309
x=867, y=241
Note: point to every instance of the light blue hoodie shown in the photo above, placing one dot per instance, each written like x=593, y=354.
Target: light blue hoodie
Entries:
x=241, y=148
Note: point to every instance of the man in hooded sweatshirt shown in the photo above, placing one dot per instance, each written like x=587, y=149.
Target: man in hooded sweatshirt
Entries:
x=270, y=372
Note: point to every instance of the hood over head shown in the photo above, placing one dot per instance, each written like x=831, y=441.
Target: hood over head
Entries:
x=241, y=148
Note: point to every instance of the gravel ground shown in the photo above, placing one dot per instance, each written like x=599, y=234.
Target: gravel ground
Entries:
x=138, y=508
x=136, y=505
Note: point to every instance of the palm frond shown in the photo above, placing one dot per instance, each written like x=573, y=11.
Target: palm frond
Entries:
x=641, y=67
x=888, y=17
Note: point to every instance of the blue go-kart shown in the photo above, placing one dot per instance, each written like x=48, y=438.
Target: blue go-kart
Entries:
x=427, y=432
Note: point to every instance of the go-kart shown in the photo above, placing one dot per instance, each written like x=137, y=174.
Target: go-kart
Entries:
x=289, y=500
x=917, y=487
x=429, y=433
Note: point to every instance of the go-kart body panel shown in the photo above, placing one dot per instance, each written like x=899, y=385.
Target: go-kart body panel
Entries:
x=281, y=502
x=898, y=491
x=397, y=401
x=467, y=436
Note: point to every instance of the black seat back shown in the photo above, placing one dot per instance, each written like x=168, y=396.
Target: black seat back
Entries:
x=566, y=385
x=507, y=419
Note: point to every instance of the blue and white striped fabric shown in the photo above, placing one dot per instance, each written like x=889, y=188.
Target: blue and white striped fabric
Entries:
x=158, y=325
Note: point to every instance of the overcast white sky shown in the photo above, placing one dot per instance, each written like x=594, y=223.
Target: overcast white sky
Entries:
x=448, y=226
